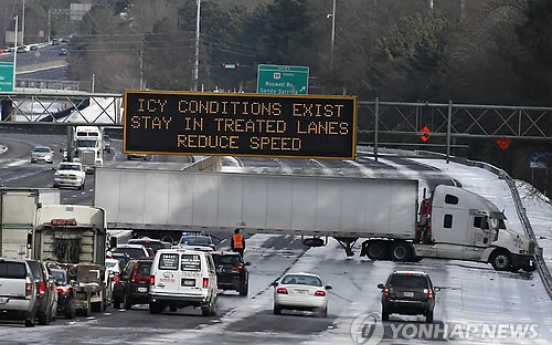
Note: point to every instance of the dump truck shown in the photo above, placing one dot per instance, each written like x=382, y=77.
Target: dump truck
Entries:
x=453, y=223
x=17, y=215
x=73, y=237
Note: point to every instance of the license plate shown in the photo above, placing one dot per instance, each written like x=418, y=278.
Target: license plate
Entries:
x=302, y=292
x=409, y=294
x=142, y=289
x=188, y=282
x=4, y=300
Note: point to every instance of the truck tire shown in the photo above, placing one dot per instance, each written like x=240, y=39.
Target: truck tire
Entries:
x=501, y=260
x=401, y=251
x=155, y=307
x=377, y=250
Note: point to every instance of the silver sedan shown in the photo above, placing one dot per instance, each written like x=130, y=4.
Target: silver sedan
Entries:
x=42, y=154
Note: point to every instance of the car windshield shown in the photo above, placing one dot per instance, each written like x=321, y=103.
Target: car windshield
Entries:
x=400, y=281
x=41, y=149
x=69, y=167
x=59, y=275
x=226, y=260
x=112, y=264
x=86, y=143
x=195, y=241
x=155, y=246
x=132, y=252
x=301, y=280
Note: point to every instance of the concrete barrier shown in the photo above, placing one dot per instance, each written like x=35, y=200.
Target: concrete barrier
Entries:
x=205, y=164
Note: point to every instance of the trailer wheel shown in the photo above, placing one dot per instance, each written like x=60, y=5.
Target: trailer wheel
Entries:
x=500, y=260
x=377, y=250
x=401, y=252
x=167, y=238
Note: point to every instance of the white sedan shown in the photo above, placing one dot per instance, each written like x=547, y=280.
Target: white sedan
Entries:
x=301, y=291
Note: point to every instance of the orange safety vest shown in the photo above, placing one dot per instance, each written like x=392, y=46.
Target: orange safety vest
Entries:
x=238, y=241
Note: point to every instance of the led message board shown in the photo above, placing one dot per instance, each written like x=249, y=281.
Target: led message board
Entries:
x=256, y=125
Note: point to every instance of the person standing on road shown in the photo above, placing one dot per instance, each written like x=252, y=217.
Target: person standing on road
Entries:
x=237, y=242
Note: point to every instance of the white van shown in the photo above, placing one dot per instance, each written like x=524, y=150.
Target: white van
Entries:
x=182, y=278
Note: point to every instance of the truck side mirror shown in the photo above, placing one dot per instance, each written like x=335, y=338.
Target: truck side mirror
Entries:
x=113, y=242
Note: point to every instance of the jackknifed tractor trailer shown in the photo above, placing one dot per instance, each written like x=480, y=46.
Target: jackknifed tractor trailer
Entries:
x=453, y=223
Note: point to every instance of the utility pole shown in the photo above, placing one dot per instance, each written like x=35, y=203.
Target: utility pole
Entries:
x=15, y=49
x=196, y=64
x=23, y=24
x=333, y=36
x=141, y=67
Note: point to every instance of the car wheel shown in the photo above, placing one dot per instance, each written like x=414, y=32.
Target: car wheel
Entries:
x=429, y=317
x=244, y=289
x=128, y=303
x=500, y=260
x=324, y=312
x=377, y=250
x=117, y=304
x=277, y=310
x=43, y=318
x=401, y=252
x=384, y=315
x=70, y=312
x=206, y=310
x=155, y=308
x=29, y=323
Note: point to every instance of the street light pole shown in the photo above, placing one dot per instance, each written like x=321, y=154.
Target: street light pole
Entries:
x=23, y=24
x=196, y=64
x=333, y=36
x=15, y=49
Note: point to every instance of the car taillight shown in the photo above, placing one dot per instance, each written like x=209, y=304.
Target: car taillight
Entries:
x=239, y=268
x=28, y=289
x=152, y=280
x=282, y=290
x=63, y=290
x=134, y=273
x=430, y=294
x=320, y=293
x=41, y=289
x=205, y=282
x=386, y=291
x=115, y=279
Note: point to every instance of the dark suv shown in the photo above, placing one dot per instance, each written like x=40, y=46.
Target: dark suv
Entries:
x=408, y=293
x=133, y=285
x=232, y=272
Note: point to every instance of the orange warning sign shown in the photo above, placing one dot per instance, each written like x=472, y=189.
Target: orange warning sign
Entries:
x=503, y=143
x=425, y=136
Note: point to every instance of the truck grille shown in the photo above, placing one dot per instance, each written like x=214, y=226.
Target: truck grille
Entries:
x=88, y=157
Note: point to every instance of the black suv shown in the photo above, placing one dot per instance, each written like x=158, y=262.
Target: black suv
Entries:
x=408, y=293
x=133, y=285
x=232, y=272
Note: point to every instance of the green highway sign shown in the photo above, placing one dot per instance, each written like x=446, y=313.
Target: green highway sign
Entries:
x=6, y=76
x=283, y=80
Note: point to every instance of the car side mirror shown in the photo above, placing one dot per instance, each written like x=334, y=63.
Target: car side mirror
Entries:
x=436, y=289
x=380, y=286
x=60, y=150
x=274, y=283
x=53, y=168
x=247, y=263
x=328, y=287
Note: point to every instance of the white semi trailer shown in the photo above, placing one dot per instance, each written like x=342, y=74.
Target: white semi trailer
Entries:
x=453, y=224
x=17, y=217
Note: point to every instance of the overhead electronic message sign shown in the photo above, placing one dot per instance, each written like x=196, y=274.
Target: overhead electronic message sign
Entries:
x=257, y=125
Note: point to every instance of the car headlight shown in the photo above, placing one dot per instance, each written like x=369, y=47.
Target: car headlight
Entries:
x=56, y=174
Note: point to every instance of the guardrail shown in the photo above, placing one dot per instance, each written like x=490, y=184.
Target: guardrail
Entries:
x=542, y=268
